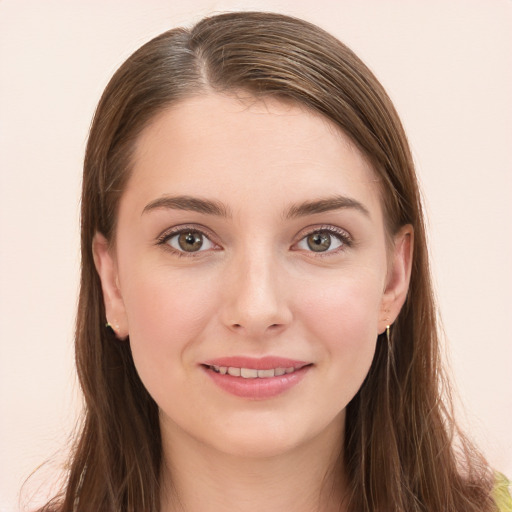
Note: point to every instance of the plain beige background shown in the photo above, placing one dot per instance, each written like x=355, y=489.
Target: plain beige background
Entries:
x=447, y=66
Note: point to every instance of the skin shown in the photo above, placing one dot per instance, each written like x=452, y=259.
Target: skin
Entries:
x=255, y=288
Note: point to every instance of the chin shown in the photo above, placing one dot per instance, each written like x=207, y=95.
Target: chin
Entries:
x=265, y=436
x=257, y=445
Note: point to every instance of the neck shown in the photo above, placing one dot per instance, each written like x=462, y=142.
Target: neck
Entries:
x=199, y=478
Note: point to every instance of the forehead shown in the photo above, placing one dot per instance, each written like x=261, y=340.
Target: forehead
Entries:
x=255, y=149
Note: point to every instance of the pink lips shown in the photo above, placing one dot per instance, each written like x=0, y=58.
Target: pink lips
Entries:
x=225, y=373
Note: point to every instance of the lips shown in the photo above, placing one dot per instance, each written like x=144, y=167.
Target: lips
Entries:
x=251, y=373
x=256, y=378
x=256, y=363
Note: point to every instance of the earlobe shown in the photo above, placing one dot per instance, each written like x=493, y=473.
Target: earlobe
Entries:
x=399, y=275
x=107, y=270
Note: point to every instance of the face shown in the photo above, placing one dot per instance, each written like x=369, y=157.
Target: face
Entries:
x=251, y=272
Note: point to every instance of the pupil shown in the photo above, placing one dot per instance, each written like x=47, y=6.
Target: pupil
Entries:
x=319, y=242
x=190, y=242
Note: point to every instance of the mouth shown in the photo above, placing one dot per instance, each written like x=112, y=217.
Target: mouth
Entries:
x=256, y=379
x=251, y=373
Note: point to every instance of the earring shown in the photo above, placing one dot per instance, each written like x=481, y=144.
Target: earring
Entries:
x=388, y=338
x=114, y=329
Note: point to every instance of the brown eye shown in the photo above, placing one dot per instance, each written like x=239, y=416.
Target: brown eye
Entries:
x=325, y=240
x=319, y=242
x=189, y=241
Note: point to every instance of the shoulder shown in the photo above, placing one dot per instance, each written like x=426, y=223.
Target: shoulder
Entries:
x=501, y=493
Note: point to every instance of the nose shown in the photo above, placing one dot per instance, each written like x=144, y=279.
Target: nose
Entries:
x=255, y=296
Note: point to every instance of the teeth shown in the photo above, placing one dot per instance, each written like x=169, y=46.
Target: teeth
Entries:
x=265, y=374
x=248, y=373
x=251, y=373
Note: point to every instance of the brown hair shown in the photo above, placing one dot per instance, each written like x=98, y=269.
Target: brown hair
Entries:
x=400, y=452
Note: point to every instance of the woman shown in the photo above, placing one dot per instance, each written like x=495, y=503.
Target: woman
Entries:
x=256, y=325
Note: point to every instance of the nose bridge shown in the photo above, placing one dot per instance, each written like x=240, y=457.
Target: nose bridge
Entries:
x=254, y=298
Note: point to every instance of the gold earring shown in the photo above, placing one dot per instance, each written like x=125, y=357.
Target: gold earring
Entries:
x=387, y=334
x=108, y=326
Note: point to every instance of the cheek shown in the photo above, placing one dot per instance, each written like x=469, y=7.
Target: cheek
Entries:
x=342, y=316
x=167, y=313
x=347, y=304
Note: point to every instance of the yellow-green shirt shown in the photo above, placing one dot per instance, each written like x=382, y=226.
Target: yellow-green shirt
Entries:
x=501, y=493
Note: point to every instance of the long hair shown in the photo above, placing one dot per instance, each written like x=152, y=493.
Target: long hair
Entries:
x=402, y=451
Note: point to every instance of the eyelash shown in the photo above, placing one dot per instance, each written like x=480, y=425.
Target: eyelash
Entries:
x=340, y=234
x=164, y=238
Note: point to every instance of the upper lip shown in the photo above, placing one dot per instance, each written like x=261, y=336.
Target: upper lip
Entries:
x=256, y=363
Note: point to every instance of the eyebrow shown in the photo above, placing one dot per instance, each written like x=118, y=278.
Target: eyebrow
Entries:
x=325, y=205
x=217, y=208
x=189, y=203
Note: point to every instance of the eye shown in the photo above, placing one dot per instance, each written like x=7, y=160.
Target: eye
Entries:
x=324, y=240
x=189, y=241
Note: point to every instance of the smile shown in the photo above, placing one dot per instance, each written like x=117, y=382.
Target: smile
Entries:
x=251, y=373
x=256, y=378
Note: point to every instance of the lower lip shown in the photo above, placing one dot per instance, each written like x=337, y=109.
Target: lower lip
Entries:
x=257, y=389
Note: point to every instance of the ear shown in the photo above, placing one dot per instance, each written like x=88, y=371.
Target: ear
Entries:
x=399, y=275
x=107, y=270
